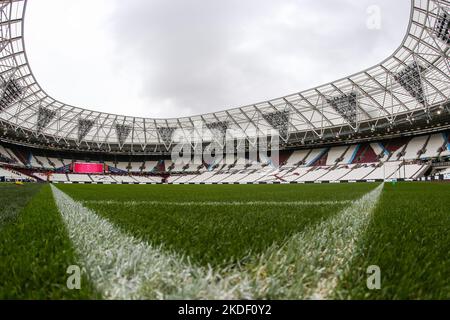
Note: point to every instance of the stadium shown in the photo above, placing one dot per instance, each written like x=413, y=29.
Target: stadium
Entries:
x=305, y=196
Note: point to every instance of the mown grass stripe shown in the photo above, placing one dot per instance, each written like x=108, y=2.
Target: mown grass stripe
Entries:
x=215, y=235
x=218, y=203
x=216, y=193
x=123, y=267
x=134, y=269
x=13, y=199
x=409, y=240
x=35, y=253
x=311, y=263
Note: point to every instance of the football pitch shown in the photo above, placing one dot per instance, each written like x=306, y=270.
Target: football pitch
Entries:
x=313, y=241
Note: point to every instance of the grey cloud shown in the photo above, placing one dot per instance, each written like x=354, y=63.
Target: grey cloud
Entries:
x=174, y=58
x=199, y=56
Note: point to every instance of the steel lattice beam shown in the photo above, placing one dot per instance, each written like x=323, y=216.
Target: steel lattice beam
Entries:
x=415, y=77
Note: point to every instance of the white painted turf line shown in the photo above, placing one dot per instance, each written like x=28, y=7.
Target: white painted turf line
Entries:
x=218, y=203
x=311, y=263
x=307, y=266
x=123, y=267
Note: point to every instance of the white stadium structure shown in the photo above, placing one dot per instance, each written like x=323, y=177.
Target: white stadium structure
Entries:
x=390, y=121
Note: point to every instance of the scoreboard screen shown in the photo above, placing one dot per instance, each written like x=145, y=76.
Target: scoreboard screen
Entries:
x=81, y=167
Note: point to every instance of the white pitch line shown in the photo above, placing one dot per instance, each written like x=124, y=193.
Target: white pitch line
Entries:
x=348, y=229
x=311, y=263
x=218, y=203
x=123, y=267
x=307, y=266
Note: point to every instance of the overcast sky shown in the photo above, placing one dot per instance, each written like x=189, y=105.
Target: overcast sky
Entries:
x=170, y=58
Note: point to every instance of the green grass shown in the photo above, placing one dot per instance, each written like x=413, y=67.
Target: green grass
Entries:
x=409, y=239
x=216, y=235
x=408, y=236
x=35, y=252
x=174, y=193
x=14, y=198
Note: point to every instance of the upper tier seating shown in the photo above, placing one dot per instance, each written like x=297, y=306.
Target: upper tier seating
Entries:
x=44, y=162
x=380, y=151
x=296, y=158
x=136, y=167
x=33, y=161
x=109, y=164
x=150, y=166
x=122, y=166
x=57, y=162
x=336, y=155
x=415, y=145
x=168, y=165
x=179, y=166
x=346, y=157
x=436, y=142
x=314, y=155
x=8, y=156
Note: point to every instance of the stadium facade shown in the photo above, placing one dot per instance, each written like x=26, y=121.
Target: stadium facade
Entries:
x=388, y=117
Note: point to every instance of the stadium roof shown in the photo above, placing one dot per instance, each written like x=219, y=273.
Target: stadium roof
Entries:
x=412, y=84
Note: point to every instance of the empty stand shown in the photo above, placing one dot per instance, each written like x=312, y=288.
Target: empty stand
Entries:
x=446, y=146
x=359, y=172
x=202, y=177
x=414, y=148
x=125, y=179
x=13, y=175
x=123, y=166
x=5, y=156
x=136, y=167
x=402, y=158
x=384, y=171
x=106, y=179
x=314, y=156
x=314, y=174
x=44, y=162
x=297, y=158
x=84, y=178
x=182, y=179
x=292, y=175
x=409, y=171
x=218, y=177
x=335, y=174
x=434, y=146
x=336, y=155
x=57, y=163
x=150, y=166
x=380, y=151
x=59, y=177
